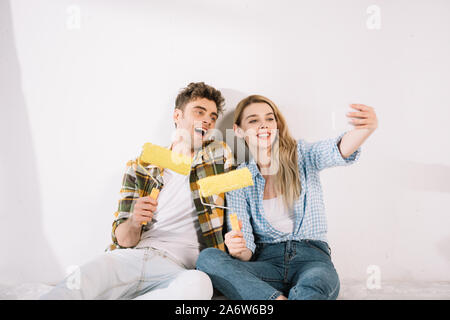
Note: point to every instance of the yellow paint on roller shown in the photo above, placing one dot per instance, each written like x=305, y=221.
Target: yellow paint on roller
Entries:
x=225, y=182
x=165, y=158
x=234, y=222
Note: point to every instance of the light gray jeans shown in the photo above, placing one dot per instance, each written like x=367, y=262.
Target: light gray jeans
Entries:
x=145, y=273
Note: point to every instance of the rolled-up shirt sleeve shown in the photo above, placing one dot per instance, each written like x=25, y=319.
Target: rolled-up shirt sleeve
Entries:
x=325, y=154
x=128, y=196
x=238, y=204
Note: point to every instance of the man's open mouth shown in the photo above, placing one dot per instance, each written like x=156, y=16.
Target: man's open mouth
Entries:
x=201, y=131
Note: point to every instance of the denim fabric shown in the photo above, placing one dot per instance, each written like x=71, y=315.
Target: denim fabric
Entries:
x=300, y=270
x=144, y=273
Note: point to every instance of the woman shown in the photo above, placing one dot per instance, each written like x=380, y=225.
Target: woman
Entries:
x=282, y=251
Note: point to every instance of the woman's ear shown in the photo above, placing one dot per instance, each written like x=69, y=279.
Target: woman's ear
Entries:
x=238, y=131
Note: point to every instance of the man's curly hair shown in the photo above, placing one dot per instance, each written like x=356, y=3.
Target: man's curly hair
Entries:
x=198, y=90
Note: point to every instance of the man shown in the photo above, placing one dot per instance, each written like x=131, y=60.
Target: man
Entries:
x=157, y=260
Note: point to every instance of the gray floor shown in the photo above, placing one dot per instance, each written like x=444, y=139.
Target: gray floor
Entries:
x=350, y=290
x=396, y=290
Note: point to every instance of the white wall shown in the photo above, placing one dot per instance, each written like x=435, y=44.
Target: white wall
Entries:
x=81, y=93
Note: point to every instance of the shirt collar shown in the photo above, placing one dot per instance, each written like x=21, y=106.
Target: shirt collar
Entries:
x=252, y=166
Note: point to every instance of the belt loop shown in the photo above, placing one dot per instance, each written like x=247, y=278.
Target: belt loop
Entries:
x=290, y=246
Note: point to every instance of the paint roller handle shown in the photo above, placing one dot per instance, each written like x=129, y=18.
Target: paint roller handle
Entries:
x=153, y=195
x=143, y=210
x=236, y=224
x=236, y=244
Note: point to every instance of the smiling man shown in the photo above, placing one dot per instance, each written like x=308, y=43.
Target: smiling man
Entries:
x=157, y=260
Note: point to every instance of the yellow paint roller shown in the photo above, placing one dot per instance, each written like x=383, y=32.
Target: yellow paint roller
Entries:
x=225, y=182
x=164, y=158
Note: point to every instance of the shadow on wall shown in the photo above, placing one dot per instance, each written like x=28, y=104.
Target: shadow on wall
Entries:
x=400, y=223
x=431, y=178
x=225, y=125
x=425, y=177
x=26, y=255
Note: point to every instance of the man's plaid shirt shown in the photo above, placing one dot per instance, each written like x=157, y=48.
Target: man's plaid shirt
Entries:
x=214, y=157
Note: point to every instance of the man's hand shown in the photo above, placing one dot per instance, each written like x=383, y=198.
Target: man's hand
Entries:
x=128, y=233
x=235, y=242
x=143, y=211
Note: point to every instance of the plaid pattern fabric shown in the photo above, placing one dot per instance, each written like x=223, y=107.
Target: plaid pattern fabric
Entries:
x=309, y=209
x=214, y=157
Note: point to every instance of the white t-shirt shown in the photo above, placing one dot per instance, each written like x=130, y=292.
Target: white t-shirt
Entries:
x=176, y=229
x=278, y=216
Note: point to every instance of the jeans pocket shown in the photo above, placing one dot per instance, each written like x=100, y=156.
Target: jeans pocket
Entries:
x=322, y=246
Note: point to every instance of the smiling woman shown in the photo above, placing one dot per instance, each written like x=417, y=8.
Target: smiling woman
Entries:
x=266, y=133
x=288, y=246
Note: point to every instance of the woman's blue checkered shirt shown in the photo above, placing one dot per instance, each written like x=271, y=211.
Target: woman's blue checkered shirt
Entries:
x=309, y=210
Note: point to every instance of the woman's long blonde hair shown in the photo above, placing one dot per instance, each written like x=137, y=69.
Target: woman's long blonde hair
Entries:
x=287, y=180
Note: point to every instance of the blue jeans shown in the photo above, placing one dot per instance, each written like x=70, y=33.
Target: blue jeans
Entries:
x=300, y=270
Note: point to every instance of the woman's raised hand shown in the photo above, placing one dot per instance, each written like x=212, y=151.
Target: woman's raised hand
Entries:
x=364, y=118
